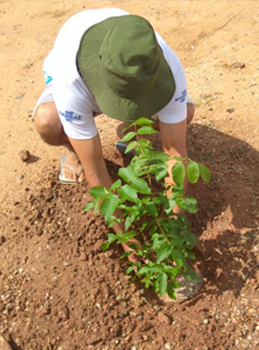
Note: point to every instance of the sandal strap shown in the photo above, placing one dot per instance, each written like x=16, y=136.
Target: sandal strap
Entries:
x=76, y=170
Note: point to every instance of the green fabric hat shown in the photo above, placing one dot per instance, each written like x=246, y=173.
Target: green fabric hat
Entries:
x=123, y=65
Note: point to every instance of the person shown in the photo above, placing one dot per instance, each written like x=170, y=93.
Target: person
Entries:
x=112, y=62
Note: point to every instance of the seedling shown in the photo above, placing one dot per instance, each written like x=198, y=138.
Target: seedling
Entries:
x=148, y=212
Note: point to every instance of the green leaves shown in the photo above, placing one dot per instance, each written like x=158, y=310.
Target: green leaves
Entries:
x=193, y=172
x=135, y=203
x=146, y=130
x=139, y=184
x=205, y=172
x=100, y=192
x=178, y=172
x=128, y=193
x=162, y=282
x=128, y=137
x=109, y=205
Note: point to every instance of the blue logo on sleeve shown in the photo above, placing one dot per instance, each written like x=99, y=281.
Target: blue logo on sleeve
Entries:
x=70, y=116
x=182, y=97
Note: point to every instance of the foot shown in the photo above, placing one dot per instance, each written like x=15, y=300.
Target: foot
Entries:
x=71, y=170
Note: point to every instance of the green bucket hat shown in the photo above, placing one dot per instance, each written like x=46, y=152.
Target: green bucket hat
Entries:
x=123, y=65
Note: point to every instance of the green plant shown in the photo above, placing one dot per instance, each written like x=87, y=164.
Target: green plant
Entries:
x=144, y=209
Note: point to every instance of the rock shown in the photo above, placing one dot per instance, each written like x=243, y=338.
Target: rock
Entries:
x=24, y=155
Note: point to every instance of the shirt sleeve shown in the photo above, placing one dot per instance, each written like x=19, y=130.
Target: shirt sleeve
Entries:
x=176, y=110
x=75, y=110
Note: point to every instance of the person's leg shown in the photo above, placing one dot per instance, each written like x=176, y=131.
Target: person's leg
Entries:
x=49, y=127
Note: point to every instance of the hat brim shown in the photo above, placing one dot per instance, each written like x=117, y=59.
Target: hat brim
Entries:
x=112, y=105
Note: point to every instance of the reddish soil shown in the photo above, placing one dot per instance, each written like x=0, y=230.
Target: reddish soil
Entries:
x=58, y=290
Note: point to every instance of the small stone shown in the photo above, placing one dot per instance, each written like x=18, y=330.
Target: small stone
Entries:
x=206, y=321
x=24, y=155
x=167, y=346
x=251, y=311
x=156, y=308
x=2, y=240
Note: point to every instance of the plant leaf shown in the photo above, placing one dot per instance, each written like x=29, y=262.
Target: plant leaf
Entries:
x=129, y=220
x=162, y=281
x=163, y=254
x=109, y=205
x=146, y=143
x=129, y=270
x=177, y=242
x=126, y=174
x=193, y=172
x=178, y=190
x=177, y=257
x=156, y=268
x=128, y=193
x=190, y=237
x=141, y=186
x=143, y=270
x=169, y=205
x=89, y=206
x=143, y=121
x=100, y=192
x=105, y=246
x=132, y=145
x=115, y=185
x=128, y=136
x=187, y=204
x=178, y=172
x=158, y=241
x=151, y=209
x=157, y=157
x=125, y=254
x=146, y=130
x=205, y=172
x=112, y=238
x=179, y=159
x=170, y=290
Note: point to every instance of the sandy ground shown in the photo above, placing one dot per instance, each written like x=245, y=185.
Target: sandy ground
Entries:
x=42, y=274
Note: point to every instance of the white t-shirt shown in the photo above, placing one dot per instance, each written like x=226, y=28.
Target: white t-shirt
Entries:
x=74, y=101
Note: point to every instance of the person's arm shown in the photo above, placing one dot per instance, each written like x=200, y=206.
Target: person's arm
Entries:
x=173, y=139
x=90, y=155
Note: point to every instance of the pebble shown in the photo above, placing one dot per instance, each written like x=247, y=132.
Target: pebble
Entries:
x=206, y=321
x=24, y=155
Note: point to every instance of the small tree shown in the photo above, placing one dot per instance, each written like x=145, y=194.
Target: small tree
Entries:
x=143, y=209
